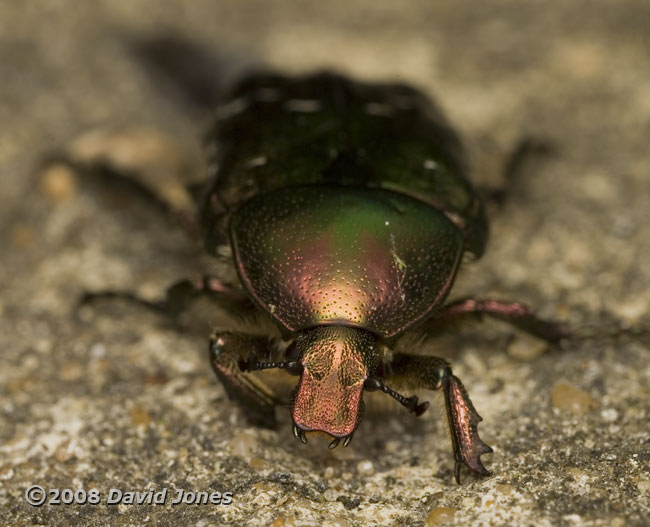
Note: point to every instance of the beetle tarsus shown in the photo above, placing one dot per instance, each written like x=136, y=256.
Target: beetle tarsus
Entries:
x=419, y=409
x=334, y=443
x=412, y=404
x=457, y=471
x=415, y=407
x=299, y=433
x=347, y=440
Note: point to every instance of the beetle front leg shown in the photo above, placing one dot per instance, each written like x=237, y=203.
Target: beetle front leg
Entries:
x=228, y=351
x=514, y=313
x=183, y=293
x=434, y=373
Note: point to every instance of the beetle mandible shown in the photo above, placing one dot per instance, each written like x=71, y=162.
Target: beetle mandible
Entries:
x=347, y=210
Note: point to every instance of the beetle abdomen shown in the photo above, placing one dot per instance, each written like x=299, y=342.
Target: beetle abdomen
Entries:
x=327, y=254
x=274, y=132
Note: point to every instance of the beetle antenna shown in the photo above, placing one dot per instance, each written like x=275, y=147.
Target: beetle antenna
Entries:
x=412, y=404
x=293, y=367
x=254, y=366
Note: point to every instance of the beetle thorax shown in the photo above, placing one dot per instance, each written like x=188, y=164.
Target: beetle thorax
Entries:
x=326, y=255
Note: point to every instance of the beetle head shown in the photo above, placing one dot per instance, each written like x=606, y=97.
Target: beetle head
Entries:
x=336, y=361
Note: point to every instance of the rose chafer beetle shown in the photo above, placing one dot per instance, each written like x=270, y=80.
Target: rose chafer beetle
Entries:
x=348, y=212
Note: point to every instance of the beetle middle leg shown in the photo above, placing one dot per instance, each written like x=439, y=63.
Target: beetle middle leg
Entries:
x=514, y=313
x=434, y=373
x=181, y=295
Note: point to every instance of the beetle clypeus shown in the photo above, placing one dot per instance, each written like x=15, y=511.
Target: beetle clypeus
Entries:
x=347, y=211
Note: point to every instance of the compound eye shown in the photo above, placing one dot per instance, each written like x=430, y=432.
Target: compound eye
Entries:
x=291, y=353
x=371, y=384
x=294, y=367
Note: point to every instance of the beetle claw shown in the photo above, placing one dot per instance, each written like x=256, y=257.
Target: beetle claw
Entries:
x=334, y=443
x=347, y=440
x=421, y=408
x=416, y=407
x=298, y=433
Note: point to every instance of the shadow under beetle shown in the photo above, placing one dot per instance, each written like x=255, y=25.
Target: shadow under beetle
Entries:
x=348, y=212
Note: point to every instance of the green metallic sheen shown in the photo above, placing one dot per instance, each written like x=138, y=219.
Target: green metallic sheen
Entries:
x=273, y=133
x=326, y=254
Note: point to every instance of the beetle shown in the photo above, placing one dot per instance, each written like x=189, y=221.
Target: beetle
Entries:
x=346, y=210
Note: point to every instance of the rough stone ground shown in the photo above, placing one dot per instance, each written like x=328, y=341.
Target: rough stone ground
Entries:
x=117, y=398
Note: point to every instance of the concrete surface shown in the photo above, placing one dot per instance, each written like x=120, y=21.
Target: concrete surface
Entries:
x=118, y=398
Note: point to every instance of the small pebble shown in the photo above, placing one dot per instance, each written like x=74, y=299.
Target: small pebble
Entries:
x=243, y=445
x=330, y=495
x=22, y=236
x=140, y=416
x=97, y=350
x=58, y=183
x=440, y=516
x=609, y=414
x=505, y=489
x=644, y=486
x=64, y=452
x=365, y=468
x=336, y=522
x=71, y=371
x=260, y=464
x=283, y=522
x=526, y=348
x=567, y=397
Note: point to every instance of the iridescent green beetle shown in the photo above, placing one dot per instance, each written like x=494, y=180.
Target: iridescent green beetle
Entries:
x=348, y=212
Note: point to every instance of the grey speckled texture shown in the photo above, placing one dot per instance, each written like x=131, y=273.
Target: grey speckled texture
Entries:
x=119, y=398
